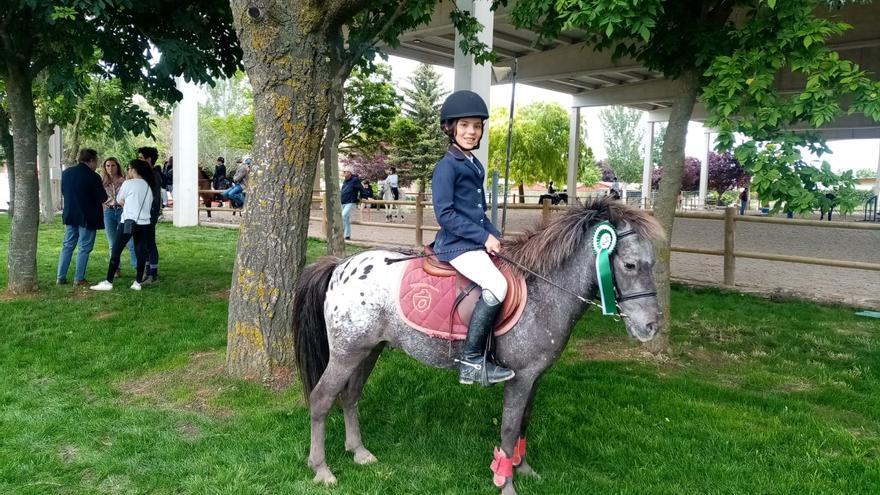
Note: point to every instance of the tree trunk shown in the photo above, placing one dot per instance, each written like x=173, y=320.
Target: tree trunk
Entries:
x=288, y=63
x=332, y=200
x=9, y=152
x=47, y=206
x=21, y=260
x=667, y=196
x=74, y=141
x=522, y=193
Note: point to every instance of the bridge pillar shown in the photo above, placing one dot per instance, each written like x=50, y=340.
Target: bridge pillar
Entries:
x=648, y=169
x=468, y=75
x=574, y=153
x=185, y=150
x=704, y=171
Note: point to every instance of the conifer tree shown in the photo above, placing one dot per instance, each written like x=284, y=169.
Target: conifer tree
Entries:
x=416, y=136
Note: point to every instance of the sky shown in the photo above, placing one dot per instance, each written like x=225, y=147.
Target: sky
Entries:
x=853, y=154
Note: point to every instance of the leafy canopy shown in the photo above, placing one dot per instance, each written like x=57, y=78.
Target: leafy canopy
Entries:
x=371, y=105
x=416, y=139
x=740, y=64
x=539, y=147
x=142, y=45
x=623, y=142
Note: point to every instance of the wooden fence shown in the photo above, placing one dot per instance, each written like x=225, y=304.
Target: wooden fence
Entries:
x=728, y=218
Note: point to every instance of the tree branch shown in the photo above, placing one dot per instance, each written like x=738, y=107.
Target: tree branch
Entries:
x=355, y=53
x=338, y=11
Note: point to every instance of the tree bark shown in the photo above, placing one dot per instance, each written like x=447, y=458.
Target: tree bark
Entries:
x=670, y=186
x=74, y=141
x=522, y=193
x=21, y=262
x=47, y=205
x=332, y=199
x=9, y=152
x=290, y=66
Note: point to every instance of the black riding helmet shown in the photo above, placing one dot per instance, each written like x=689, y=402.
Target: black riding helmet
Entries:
x=459, y=105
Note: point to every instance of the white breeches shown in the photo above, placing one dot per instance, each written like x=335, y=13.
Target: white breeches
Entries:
x=477, y=266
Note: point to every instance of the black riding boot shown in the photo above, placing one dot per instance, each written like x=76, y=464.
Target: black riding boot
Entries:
x=471, y=365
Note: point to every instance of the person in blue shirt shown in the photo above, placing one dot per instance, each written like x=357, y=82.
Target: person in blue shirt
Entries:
x=351, y=192
x=467, y=237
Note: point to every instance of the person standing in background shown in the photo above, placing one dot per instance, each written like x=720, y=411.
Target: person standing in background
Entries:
x=150, y=155
x=136, y=197
x=350, y=192
x=83, y=196
x=112, y=179
x=219, y=172
x=391, y=181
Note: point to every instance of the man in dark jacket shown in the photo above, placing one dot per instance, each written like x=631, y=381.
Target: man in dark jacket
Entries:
x=351, y=192
x=83, y=215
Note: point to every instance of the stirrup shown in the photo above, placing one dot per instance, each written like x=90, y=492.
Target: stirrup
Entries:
x=485, y=372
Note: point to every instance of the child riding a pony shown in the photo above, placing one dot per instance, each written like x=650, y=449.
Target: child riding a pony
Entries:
x=467, y=237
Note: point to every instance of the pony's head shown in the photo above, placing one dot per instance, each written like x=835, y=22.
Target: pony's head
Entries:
x=633, y=268
x=570, y=232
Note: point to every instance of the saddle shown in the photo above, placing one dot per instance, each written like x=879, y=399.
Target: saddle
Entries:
x=437, y=300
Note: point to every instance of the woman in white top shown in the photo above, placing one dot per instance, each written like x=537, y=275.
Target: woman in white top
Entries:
x=391, y=181
x=136, y=197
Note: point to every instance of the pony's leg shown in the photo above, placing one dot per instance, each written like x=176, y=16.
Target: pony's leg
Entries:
x=524, y=468
x=516, y=395
x=350, y=396
x=339, y=370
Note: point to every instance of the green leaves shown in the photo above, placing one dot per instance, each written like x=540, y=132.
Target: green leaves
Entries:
x=60, y=12
x=781, y=176
x=371, y=104
x=468, y=27
x=623, y=142
x=540, y=142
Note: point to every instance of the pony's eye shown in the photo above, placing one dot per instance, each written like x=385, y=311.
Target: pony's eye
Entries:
x=629, y=266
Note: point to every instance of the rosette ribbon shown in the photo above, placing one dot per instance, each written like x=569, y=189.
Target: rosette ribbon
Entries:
x=604, y=241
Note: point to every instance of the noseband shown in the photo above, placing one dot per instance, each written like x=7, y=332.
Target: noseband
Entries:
x=635, y=295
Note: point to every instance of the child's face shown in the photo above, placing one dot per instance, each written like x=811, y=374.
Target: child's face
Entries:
x=468, y=132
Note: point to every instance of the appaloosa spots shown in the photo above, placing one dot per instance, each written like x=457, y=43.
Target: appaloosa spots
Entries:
x=367, y=270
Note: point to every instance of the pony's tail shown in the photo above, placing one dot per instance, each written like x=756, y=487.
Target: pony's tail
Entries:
x=310, y=328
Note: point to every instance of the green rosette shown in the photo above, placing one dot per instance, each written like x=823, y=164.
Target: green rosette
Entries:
x=604, y=241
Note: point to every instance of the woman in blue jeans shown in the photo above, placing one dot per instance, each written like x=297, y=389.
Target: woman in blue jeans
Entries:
x=112, y=178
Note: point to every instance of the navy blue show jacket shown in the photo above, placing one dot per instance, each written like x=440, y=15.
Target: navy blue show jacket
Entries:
x=460, y=205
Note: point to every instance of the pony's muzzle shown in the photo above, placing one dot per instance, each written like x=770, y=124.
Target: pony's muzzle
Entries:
x=648, y=333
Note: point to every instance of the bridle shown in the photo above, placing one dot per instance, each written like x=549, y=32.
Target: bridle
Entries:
x=635, y=295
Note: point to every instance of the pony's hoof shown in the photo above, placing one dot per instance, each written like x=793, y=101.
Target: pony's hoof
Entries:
x=364, y=457
x=508, y=489
x=323, y=476
x=525, y=470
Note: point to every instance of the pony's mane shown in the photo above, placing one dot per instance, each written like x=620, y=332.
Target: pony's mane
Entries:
x=545, y=248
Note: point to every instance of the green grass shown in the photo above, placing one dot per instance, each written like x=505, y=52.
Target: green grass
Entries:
x=124, y=392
